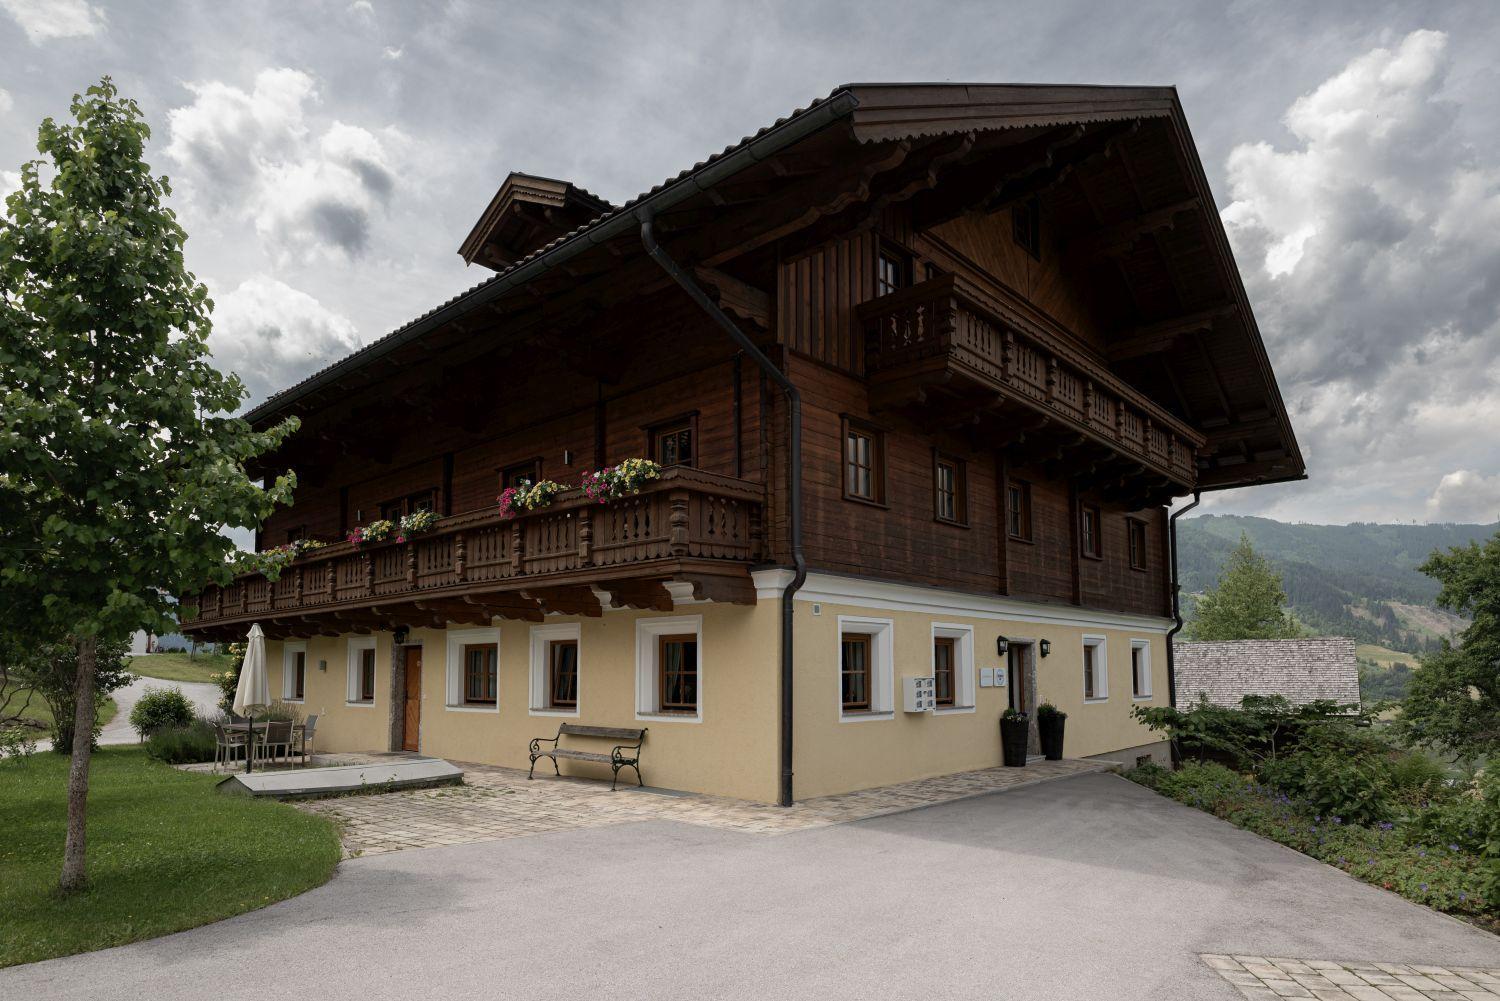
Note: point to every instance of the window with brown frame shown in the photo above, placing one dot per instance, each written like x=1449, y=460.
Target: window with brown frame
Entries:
x=892, y=271
x=295, y=533
x=864, y=462
x=1026, y=226
x=517, y=473
x=395, y=510
x=945, y=669
x=367, y=675
x=855, y=674
x=675, y=443
x=1137, y=531
x=299, y=673
x=677, y=664
x=1089, y=542
x=562, y=674
x=950, y=501
x=480, y=674
x=1018, y=510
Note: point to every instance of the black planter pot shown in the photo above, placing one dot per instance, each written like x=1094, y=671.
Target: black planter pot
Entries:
x=1013, y=734
x=1050, y=730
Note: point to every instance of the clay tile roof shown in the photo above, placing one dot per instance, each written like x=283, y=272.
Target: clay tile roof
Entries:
x=1302, y=670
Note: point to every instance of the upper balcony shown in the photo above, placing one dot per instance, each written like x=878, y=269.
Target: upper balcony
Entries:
x=689, y=533
x=946, y=336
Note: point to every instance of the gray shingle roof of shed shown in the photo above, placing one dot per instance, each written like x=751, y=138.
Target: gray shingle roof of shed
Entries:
x=1303, y=670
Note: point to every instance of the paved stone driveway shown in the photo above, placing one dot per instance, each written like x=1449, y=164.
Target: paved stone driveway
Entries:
x=496, y=803
x=1267, y=979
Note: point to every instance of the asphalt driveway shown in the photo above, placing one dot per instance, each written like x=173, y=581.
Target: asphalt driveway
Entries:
x=1089, y=887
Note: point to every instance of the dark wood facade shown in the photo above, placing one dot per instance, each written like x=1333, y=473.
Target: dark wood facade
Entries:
x=993, y=287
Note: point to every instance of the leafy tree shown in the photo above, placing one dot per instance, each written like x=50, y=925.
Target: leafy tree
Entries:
x=51, y=669
x=1247, y=603
x=1454, y=700
x=119, y=458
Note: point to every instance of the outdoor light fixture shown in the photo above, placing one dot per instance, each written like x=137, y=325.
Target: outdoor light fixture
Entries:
x=1046, y=647
x=1002, y=645
x=323, y=666
x=400, y=635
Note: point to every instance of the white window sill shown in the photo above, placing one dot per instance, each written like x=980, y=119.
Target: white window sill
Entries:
x=1141, y=698
x=360, y=704
x=288, y=698
x=952, y=710
x=866, y=717
x=544, y=711
x=1090, y=702
x=473, y=709
x=670, y=717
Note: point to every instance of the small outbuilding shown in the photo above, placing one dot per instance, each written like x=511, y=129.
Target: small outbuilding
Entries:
x=1301, y=670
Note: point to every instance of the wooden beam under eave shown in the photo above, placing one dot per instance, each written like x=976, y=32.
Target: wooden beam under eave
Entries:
x=1152, y=338
x=634, y=593
x=1109, y=241
x=736, y=590
x=569, y=599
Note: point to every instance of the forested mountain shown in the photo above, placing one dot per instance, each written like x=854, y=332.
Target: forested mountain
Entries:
x=1357, y=580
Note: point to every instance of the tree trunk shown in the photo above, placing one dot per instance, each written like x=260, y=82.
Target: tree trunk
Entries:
x=74, y=873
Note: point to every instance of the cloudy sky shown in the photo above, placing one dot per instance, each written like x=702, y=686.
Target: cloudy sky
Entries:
x=329, y=157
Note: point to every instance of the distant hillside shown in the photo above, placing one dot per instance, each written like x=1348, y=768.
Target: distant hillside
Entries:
x=1356, y=580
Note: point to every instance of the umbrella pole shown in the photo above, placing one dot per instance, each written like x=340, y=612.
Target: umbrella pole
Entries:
x=249, y=737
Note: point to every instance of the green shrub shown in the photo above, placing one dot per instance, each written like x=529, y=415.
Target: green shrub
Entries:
x=1337, y=772
x=1048, y=711
x=160, y=708
x=1263, y=728
x=16, y=742
x=181, y=745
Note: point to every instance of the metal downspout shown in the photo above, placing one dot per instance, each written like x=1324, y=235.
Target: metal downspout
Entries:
x=1176, y=600
x=793, y=474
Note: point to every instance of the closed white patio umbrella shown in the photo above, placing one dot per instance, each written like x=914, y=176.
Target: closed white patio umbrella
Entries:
x=254, y=689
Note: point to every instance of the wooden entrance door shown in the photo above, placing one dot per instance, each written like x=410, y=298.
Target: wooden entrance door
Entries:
x=411, y=730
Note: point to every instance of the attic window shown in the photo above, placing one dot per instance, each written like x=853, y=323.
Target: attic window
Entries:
x=1026, y=226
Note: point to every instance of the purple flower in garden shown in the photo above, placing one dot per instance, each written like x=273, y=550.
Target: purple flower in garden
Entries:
x=1338, y=820
x=1421, y=853
x=1386, y=825
x=1453, y=848
x=1424, y=887
x=1463, y=896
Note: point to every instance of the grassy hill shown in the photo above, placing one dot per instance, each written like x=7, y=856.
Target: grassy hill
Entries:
x=1357, y=580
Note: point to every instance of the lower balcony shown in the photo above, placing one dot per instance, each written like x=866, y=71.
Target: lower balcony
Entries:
x=687, y=534
x=947, y=349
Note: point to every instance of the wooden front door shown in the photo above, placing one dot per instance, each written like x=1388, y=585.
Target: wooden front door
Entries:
x=411, y=730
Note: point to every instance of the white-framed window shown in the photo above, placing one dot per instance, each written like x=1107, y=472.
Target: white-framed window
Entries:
x=669, y=669
x=293, y=670
x=473, y=669
x=359, y=671
x=866, y=669
x=1140, y=669
x=1095, y=670
x=555, y=669
x=953, y=667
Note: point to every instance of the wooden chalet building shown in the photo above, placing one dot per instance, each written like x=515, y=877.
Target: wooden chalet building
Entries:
x=950, y=349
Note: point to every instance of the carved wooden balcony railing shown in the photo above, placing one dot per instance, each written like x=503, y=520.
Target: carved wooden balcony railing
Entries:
x=925, y=334
x=689, y=525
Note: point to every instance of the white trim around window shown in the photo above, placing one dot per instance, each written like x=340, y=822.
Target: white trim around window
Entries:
x=1099, y=644
x=1140, y=672
x=542, y=638
x=964, y=682
x=882, y=668
x=457, y=640
x=357, y=646
x=289, y=650
x=647, y=669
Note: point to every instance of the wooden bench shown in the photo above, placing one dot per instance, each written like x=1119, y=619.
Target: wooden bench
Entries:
x=616, y=758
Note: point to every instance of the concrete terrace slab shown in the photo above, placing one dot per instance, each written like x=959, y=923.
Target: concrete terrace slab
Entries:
x=385, y=776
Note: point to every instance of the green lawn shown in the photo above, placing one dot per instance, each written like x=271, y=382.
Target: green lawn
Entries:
x=1384, y=656
x=39, y=713
x=181, y=666
x=166, y=852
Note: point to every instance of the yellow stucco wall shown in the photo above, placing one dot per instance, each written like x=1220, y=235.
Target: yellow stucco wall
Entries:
x=730, y=752
x=834, y=755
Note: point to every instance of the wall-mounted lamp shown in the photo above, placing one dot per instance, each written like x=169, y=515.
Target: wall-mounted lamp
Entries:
x=1002, y=645
x=323, y=666
x=567, y=457
x=1046, y=646
x=400, y=635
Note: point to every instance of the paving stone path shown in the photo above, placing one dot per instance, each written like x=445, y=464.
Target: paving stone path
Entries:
x=1269, y=978
x=501, y=803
